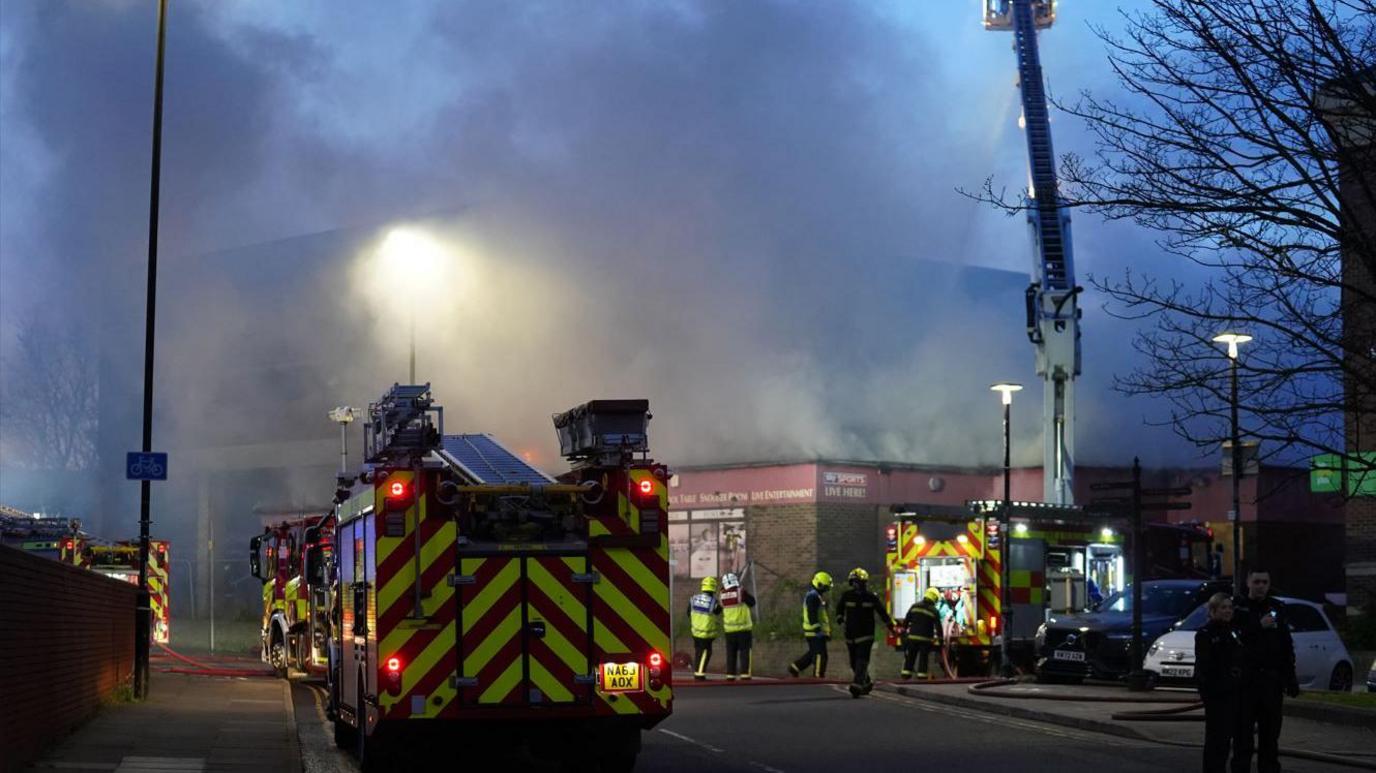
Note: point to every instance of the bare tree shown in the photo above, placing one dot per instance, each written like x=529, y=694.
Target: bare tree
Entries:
x=1228, y=143
x=48, y=390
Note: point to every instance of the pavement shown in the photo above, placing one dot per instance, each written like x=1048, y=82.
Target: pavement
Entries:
x=188, y=723
x=1158, y=716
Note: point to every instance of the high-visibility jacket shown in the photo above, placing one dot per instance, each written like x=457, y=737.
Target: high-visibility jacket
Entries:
x=923, y=622
x=735, y=610
x=704, y=613
x=816, y=622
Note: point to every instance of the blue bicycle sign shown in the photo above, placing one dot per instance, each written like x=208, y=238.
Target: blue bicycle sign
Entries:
x=151, y=466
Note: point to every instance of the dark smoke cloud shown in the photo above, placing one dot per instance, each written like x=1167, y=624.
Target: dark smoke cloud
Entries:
x=744, y=211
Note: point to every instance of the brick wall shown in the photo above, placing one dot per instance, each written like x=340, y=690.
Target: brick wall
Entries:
x=66, y=644
x=847, y=537
x=1359, y=332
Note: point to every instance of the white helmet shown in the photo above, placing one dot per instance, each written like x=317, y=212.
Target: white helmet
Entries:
x=730, y=581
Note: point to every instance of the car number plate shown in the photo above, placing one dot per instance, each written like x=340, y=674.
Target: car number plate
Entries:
x=621, y=677
x=1078, y=657
x=1178, y=671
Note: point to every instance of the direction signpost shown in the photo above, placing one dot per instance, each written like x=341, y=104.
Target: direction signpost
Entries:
x=1133, y=502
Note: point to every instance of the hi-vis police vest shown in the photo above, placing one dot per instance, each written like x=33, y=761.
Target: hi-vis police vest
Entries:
x=735, y=615
x=701, y=613
x=822, y=624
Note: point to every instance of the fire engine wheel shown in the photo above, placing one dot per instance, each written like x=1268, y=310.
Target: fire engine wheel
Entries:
x=278, y=655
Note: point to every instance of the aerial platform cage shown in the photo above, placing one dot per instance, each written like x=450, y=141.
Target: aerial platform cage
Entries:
x=604, y=431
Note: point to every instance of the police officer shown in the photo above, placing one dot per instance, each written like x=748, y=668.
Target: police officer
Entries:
x=923, y=632
x=816, y=628
x=738, y=624
x=855, y=611
x=1263, y=626
x=704, y=614
x=1218, y=668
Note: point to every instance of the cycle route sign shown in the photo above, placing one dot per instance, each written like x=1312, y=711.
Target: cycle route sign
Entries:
x=140, y=466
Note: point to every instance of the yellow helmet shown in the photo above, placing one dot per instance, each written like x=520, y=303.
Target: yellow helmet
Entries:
x=858, y=575
x=821, y=581
x=709, y=584
x=932, y=595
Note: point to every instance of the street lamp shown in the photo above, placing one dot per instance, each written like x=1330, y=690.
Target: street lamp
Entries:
x=143, y=623
x=344, y=416
x=1006, y=391
x=1233, y=340
x=413, y=253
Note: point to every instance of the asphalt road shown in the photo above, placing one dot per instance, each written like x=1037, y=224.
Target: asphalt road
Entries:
x=802, y=728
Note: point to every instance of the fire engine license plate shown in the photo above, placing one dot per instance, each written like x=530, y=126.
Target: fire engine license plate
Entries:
x=1179, y=672
x=1078, y=657
x=621, y=677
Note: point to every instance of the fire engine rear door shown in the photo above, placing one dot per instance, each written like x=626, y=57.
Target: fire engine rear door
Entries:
x=525, y=625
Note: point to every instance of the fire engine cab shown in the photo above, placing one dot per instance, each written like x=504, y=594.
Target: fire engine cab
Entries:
x=292, y=560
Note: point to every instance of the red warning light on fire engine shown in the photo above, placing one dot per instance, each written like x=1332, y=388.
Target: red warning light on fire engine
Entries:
x=647, y=487
x=656, y=659
x=397, y=489
x=393, y=664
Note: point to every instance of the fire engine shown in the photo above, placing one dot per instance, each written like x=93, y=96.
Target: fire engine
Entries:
x=121, y=561
x=482, y=598
x=292, y=560
x=57, y=538
x=1062, y=559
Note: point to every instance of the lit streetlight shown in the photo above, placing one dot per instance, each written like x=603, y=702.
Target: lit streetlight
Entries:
x=414, y=253
x=1233, y=340
x=1006, y=391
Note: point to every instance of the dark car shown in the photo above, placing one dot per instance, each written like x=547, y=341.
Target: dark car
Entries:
x=1097, y=643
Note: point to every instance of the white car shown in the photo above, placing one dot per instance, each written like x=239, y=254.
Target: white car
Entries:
x=1321, y=660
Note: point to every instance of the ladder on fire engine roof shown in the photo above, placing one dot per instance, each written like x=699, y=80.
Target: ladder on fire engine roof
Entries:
x=482, y=460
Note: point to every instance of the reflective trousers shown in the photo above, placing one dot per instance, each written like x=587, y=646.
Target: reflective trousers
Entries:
x=702, y=653
x=814, y=661
x=919, y=652
x=738, y=644
x=859, y=652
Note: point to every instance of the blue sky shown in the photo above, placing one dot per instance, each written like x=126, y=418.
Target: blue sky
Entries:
x=741, y=195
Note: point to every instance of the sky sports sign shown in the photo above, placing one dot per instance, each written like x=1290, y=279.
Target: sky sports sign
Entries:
x=849, y=485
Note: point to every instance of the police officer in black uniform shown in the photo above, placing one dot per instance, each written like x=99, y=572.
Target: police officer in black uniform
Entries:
x=856, y=610
x=1263, y=627
x=1218, y=668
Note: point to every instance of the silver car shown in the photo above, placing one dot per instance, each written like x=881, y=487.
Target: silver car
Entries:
x=1321, y=660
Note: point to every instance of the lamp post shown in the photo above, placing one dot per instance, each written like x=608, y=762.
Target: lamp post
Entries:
x=1233, y=340
x=1006, y=391
x=143, y=623
x=344, y=416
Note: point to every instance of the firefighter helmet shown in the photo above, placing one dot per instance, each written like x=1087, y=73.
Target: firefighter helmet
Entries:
x=730, y=581
x=821, y=581
x=932, y=595
x=709, y=584
x=858, y=575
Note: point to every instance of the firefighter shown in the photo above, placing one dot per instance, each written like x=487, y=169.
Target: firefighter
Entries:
x=816, y=628
x=738, y=625
x=1263, y=626
x=923, y=633
x=704, y=614
x=855, y=612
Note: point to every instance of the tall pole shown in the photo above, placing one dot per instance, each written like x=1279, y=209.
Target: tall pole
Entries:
x=1139, y=575
x=413, y=345
x=1237, y=481
x=143, y=614
x=1007, y=554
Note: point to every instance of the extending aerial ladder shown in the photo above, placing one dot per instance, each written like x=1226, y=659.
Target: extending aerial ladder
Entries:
x=1053, y=318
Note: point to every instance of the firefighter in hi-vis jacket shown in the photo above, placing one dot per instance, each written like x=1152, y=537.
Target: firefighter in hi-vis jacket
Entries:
x=704, y=614
x=923, y=624
x=816, y=628
x=738, y=625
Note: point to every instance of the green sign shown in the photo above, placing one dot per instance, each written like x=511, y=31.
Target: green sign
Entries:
x=1326, y=474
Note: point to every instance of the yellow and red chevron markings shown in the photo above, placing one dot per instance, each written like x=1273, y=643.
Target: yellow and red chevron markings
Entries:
x=157, y=591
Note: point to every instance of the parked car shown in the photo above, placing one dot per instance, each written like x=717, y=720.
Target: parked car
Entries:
x=1371, y=678
x=1096, y=644
x=1321, y=660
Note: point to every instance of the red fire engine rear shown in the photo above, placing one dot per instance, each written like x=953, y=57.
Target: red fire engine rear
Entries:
x=483, y=598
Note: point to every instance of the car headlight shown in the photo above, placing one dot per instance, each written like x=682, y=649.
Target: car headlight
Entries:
x=1040, y=637
x=1153, y=649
